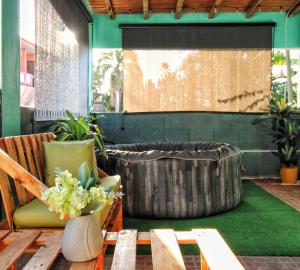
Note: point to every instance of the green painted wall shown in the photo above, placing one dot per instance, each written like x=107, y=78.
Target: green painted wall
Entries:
x=10, y=68
x=108, y=35
x=254, y=140
x=237, y=129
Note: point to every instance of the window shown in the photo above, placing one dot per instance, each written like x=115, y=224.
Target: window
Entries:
x=280, y=74
x=54, y=57
x=107, y=80
x=201, y=71
x=27, y=53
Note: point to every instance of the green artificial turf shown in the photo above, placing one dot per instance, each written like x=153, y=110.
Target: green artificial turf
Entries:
x=261, y=226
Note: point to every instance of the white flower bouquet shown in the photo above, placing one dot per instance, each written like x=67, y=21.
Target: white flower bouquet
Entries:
x=76, y=197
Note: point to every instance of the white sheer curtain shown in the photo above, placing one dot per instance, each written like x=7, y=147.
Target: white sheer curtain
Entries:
x=57, y=66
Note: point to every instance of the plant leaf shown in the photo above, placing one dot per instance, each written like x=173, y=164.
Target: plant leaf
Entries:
x=83, y=174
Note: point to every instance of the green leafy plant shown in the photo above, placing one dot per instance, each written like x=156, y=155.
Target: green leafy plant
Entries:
x=76, y=197
x=285, y=129
x=286, y=139
x=288, y=154
x=82, y=128
x=278, y=58
x=86, y=177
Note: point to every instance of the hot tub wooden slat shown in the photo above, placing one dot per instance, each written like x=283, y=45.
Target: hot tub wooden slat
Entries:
x=177, y=184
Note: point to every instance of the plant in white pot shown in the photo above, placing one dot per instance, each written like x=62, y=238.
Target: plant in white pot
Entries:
x=79, y=200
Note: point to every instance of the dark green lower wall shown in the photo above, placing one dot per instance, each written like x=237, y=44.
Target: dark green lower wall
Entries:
x=236, y=129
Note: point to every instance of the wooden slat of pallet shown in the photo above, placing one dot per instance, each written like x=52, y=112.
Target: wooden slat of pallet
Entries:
x=185, y=237
x=216, y=252
x=3, y=233
x=143, y=238
x=125, y=251
x=42, y=240
x=11, y=253
x=12, y=152
x=100, y=260
x=165, y=250
x=204, y=265
x=14, y=236
x=46, y=255
x=83, y=265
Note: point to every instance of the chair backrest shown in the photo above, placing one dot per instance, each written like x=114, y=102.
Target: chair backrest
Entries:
x=27, y=150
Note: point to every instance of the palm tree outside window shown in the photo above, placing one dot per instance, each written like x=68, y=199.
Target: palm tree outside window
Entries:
x=108, y=80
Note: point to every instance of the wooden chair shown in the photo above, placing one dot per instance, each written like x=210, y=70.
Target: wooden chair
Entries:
x=22, y=166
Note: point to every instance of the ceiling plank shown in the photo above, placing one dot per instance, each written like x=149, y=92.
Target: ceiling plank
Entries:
x=252, y=8
x=292, y=10
x=146, y=9
x=179, y=6
x=109, y=9
x=213, y=10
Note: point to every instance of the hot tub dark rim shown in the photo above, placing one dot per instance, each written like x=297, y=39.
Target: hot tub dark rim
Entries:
x=218, y=152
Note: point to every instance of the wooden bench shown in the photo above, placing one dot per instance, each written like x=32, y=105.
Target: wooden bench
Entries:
x=22, y=167
x=214, y=252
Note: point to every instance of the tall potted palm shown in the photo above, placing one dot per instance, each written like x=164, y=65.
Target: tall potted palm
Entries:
x=285, y=132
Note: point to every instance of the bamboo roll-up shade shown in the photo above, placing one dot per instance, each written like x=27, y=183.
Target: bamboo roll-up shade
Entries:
x=197, y=80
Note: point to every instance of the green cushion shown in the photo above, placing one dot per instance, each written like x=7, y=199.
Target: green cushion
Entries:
x=35, y=214
x=110, y=181
x=68, y=156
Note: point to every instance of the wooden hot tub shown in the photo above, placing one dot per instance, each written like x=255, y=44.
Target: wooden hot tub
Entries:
x=176, y=180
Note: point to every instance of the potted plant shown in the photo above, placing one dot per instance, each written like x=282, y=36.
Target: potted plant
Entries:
x=289, y=169
x=285, y=132
x=286, y=139
x=79, y=199
x=82, y=128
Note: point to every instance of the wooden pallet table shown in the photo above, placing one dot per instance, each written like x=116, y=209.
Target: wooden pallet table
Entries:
x=213, y=251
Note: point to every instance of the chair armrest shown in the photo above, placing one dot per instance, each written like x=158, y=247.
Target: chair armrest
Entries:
x=26, y=179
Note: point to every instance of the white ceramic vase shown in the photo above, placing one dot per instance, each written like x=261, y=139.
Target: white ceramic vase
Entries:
x=82, y=239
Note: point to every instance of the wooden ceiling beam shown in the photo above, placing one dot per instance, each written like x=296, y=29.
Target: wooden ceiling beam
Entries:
x=179, y=6
x=292, y=10
x=146, y=9
x=252, y=8
x=214, y=7
x=109, y=8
